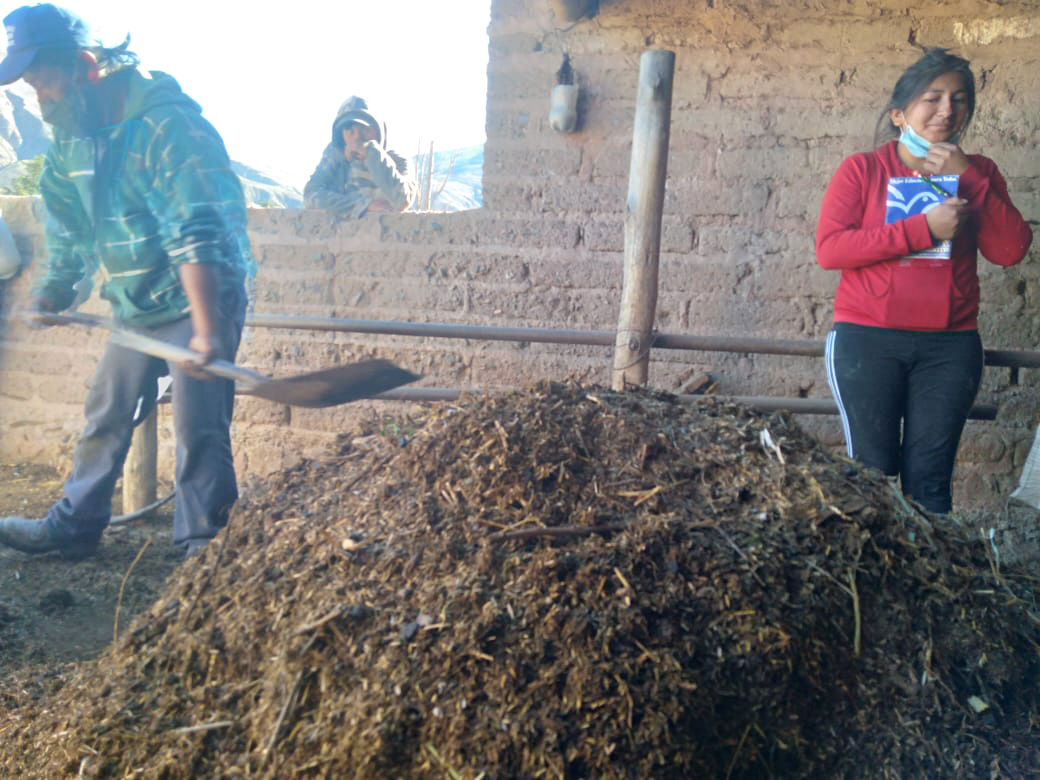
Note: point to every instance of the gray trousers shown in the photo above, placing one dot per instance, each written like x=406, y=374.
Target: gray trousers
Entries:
x=205, y=474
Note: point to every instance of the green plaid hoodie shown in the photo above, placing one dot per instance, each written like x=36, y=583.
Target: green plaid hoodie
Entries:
x=137, y=199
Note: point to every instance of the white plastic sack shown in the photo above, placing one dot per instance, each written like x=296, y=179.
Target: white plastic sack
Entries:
x=10, y=260
x=1028, y=490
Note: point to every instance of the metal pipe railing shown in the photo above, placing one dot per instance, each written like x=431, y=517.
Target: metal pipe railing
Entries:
x=1008, y=358
x=600, y=338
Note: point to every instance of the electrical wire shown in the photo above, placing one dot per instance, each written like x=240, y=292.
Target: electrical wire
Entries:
x=142, y=511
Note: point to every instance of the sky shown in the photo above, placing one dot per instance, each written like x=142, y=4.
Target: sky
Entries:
x=270, y=76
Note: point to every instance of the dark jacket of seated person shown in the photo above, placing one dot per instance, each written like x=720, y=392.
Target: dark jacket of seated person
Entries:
x=357, y=174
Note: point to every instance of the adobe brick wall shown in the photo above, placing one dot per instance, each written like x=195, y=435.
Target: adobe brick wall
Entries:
x=768, y=98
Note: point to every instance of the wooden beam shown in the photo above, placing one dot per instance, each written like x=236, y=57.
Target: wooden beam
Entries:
x=643, y=211
x=139, y=471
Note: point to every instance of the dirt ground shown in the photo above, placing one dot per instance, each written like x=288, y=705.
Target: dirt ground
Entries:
x=53, y=611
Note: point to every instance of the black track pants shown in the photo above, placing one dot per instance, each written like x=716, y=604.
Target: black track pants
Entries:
x=904, y=397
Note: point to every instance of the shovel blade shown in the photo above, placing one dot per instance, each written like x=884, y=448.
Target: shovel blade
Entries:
x=333, y=386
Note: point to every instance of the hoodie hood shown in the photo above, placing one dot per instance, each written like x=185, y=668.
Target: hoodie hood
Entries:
x=355, y=110
x=150, y=89
x=144, y=91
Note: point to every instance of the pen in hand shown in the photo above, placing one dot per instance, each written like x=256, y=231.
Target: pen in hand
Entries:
x=937, y=189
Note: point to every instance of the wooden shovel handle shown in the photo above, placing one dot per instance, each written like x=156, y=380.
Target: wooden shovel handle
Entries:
x=138, y=342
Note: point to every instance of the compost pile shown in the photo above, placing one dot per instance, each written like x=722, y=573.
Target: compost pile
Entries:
x=563, y=582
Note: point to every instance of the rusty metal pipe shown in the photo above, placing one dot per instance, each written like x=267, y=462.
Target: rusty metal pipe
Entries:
x=1010, y=358
x=600, y=338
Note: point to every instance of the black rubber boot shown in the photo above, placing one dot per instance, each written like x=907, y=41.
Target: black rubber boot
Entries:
x=195, y=547
x=33, y=536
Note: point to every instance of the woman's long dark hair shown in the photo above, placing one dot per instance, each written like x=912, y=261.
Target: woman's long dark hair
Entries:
x=915, y=81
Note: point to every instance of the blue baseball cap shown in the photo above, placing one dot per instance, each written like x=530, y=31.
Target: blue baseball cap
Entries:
x=34, y=27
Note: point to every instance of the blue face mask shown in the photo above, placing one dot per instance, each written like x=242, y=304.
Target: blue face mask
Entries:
x=914, y=144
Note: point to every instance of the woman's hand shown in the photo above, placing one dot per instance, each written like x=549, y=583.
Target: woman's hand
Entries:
x=946, y=219
x=945, y=158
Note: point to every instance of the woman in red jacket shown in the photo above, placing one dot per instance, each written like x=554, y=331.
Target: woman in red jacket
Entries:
x=904, y=224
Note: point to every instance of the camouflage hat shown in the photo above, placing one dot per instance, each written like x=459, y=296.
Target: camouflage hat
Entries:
x=354, y=111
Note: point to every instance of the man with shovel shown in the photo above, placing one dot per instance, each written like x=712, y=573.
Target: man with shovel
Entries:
x=138, y=188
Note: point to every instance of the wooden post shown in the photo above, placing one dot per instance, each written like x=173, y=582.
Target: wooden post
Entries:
x=139, y=471
x=643, y=211
x=428, y=195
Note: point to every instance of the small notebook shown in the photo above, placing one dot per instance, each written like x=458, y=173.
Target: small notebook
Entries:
x=911, y=195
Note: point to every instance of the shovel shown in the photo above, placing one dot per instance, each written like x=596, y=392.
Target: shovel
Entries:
x=327, y=387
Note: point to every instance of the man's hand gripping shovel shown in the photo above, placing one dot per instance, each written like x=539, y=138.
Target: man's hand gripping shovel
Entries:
x=327, y=387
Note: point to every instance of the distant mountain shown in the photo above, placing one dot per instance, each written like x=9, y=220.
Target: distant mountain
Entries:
x=262, y=190
x=457, y=178
x=24, y=135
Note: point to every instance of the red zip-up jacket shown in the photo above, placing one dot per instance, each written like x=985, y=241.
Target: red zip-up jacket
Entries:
x=879, y=287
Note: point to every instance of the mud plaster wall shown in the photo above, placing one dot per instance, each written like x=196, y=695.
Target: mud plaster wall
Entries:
x=768, y=97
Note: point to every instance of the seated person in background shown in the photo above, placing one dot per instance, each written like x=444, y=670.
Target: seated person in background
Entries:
x=357, y=174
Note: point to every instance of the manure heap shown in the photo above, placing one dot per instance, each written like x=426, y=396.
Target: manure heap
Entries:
x=563, y=582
